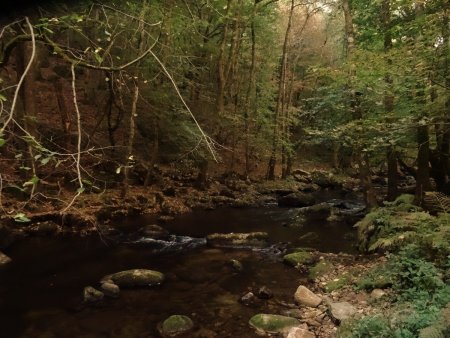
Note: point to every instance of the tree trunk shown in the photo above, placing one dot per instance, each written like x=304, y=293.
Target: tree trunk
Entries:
x=281, y=93
x=392, y=174
x=423, y=163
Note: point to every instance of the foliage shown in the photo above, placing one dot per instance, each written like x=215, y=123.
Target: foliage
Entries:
x=400, y=222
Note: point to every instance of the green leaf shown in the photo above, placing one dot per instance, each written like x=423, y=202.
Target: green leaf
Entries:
x=45, y=160
x=3, y=98
x=33, y=181
x=80, y=190
x=21, y=218
x=2, y=142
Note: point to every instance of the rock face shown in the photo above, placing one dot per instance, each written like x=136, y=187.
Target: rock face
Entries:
x=92, y=295
x=341, y=311
x=273, y=324
x=4, y=259
x=298, y=332
x=176, y=325
x=306, y=297
x=296, y=199
x=252, y=239
x=298, y=258
x=135, y=277
x=154, y=231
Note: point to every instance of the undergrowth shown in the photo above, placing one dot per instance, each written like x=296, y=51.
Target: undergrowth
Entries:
x=417, y=271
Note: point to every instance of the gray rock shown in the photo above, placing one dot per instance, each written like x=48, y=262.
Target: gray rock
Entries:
x=273, y=324
x=176, y=325
x=92, y=295
x=295, y=313
x=135, y=277
x=296, y=199
x=299, y=332
x=110, y=289
x=236, y=240
x=4, y=259
x=306, y=297
x=249, y=299
x=341, y=311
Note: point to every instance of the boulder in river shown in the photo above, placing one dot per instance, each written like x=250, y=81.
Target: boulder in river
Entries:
x=306, y=297
x=135, y=277
x=4, y=259
x=154, y=231
x=273, y=324
x=296, y=199
x=176, y=325
x=316, y=211
x=92, y=295
x=238, y=240
x=110, y=289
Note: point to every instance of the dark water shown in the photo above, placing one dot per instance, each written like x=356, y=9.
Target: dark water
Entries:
x=40, y=291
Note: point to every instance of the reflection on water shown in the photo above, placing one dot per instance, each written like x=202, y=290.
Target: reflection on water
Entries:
x=40, y=291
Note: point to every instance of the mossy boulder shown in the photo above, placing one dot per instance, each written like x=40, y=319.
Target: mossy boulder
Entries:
x=273, y=324
x=233, y=240
x=135, y=278
x=298, y=258
x=320, y=269
x=176, y=325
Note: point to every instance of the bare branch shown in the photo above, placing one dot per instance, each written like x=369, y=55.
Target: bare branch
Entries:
x=22, y=78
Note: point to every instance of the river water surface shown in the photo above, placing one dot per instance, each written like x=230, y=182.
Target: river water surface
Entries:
x=41, y=290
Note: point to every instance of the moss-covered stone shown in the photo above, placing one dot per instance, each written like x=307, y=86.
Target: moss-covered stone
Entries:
x=176, y=325
x=298, y=258
x=273, y=324
x=136, y=277
x=252, y=239
x=320, y=269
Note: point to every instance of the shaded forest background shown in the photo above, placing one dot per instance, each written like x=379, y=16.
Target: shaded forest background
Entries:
x=97, y=95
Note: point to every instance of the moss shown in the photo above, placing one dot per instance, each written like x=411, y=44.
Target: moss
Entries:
x=337, y=283
x=272, y=323
x=298, y=258
x=320, y=269
x=177, y=324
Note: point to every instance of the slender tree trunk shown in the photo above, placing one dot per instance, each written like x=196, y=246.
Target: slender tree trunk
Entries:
x=423, y=162
x=392, y=193
x=281, y=93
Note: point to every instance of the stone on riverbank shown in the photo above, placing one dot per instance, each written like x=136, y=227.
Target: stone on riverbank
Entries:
x=341, y=311
x=252, y=239
x=154, y=231
x=273, y=324
x=135, y=277
x=299, y=332
x=306, y=297
x=176, y=325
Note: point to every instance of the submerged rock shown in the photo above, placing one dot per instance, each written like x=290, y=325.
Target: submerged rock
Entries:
x=135, y=277
x=4, y=259
x=265, y=293
x=239, y=240
x=110, y=289
x=341, y=311
x=236, y=265
x=46, y=228
x=92, y=295
x=306, y=297
x=176, y=325
x=273, y=324
x=250, y=299
x=296, y=199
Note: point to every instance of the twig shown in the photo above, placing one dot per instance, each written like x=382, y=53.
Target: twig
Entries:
x=205, y=137
x=22, y=78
